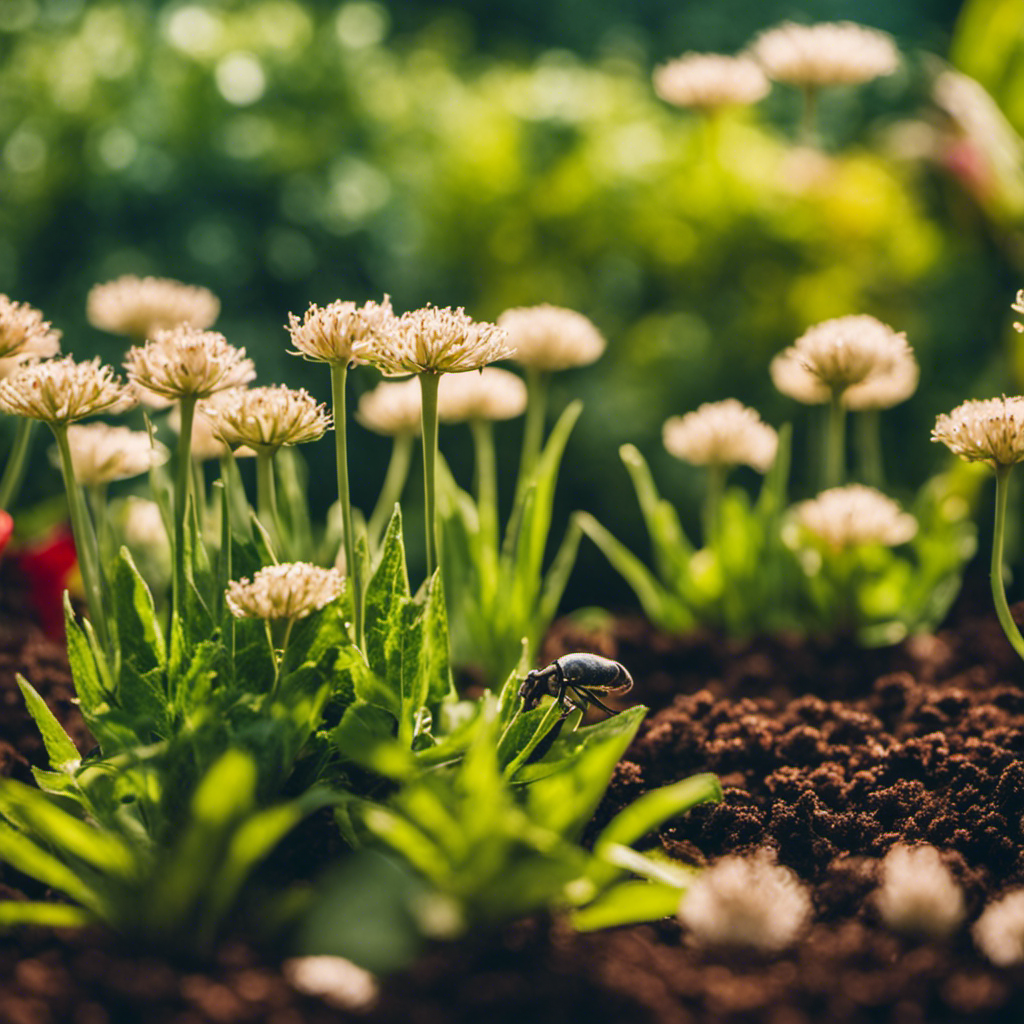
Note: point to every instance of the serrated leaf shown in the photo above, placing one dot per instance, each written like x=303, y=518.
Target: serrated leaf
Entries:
x=139, y=633
x=386, y=594
x=60, y=749
x=86, y=675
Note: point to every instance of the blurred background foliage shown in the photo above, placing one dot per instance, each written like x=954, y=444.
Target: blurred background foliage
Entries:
x=504, y=152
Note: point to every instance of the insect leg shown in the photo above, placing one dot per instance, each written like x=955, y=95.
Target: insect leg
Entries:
x=589, y=695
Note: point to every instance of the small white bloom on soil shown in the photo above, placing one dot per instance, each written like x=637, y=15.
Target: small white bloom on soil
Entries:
x=24, y=334
x=61, y=391
x=393, y=407
x=267, y=418
x=291, y=590
x=549, y=337
x=337, y=981
x=999, y=932
x=984, y=430
x=338, y=333
x=855, y=514
x=102, y=454
x=185, y=362
x=724, y=433
x=710, y=80
x=918, y=894
x=747, y=902
x=491, y=394
x=828, y=53
x=141, y=306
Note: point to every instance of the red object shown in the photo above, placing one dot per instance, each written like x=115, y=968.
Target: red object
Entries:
x=6, y=528
x=45, y=567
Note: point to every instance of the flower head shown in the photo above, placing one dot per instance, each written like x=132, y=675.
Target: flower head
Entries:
x=549, y=337
x=710, y=80
x=722, y=434
x=918, y=894
x=24, y=334
x=144, y=525
x=61, y=391
x=205, y=442
x=338, y=333
x=337, y=981
x=101, y=454
x=291, y=590
x=855, y=514
x=984, y=430
x=829, y=53
x=185, y=362
x=491, y=394
x=141, y=306
x=392, y=407
x=747, y=902
x=436, y=340
x=999, y=932
x=267, y=418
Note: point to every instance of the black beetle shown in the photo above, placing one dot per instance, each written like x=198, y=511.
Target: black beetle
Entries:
x=572, y=680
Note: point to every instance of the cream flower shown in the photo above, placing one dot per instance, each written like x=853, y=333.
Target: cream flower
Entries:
x=747, y=902
x=792, y=378
x=855, y=514
x=392, y=407
x=205, y=442
x=61, y=391
x=267, y=418
x=710, y=80
x=918, y=894
x=185, y=362
x=141, y=306
x=339, y=332
x=491, y=394
x=337, y=981
x=999, y=932
x=984, y=430
x=549, y=337
x=144, y=525
x=24, y=334
x=829, y=53
x=436, y=340
x=722, y=434
x=101, y=454
x=291, y=590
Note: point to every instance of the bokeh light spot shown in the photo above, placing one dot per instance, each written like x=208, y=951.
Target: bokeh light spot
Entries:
x=359, y=25
x=240, y=78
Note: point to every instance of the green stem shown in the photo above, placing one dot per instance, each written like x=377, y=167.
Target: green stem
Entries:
x=809, y=117
x=198, y=497
x=394, y=483
x=533, y=431
x=998, y=593
x=339, y=372
x=869, y=447
x=277, y=651
x=14, y=471
x=106, y=543
x=713, y=504
x=266, y=500
x=224, y=555
x=182, y=478
x=428, y=389
x=486, y=482
x=835, y=443
x=85, y=539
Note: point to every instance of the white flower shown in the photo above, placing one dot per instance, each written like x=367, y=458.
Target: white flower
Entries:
x=549, y=337
x=436, y=340
x=144, y=525
x=855, y=514
x=139, y=307
x=339, y=982
x=710, y=80
x=61, y=391
x=792, y=378
x=24, y=334
x=205, y=443
x=291, y=590
x=185, y=362
x=338, y=333
x=984, y=430
x=829, y=53
x=101, y=454
x=999, y=932
x=746, y=902
x=267, y=418
x=491, y=394
x=918, y=894
x=722, y=434
x=392, y=407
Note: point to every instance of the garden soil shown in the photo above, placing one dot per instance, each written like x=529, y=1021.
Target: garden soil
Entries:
x=829, y=755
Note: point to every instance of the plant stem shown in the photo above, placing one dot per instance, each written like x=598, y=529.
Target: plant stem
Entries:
x=533, y=430
x=105, y=542
x=713, y=504
x=835, y=443
x=339, y=372
x=391, y=489
x=277, y=651
x=182, y=479
x=998, y=593
x=266, y=499
x=809, y=118
x=428, y=389
x=85, y=539
x=198, y=497
x=869, y=447
x=14, y=471
x=486, y=482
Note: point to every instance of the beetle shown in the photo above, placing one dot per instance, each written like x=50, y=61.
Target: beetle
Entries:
x=573, y=679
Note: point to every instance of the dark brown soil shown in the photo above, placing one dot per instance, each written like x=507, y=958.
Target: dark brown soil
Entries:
x=829, y=755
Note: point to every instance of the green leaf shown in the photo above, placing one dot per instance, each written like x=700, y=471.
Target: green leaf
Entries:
x=366, y=736
x=434, y=668
x=43, y=915
x=89, y=685
x=386, y=593
x=627, y=903
x=138, y=631
x=60, y=749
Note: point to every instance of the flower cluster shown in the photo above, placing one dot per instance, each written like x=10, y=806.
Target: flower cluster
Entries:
x=722, y=434
x=291, y=590
x=549, y=337
x=267, y=418
x=491, y=394
x=342, y=332
x=24, y=334
x=984, y=430
x=141, y=306
x=393, y=407
x=708, y=81
x=855, y=514
x=61, y=391
x=102, y=454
